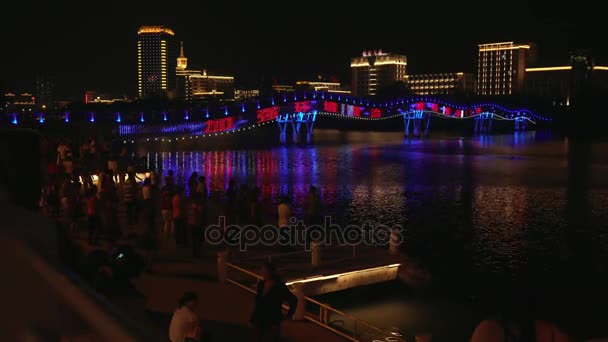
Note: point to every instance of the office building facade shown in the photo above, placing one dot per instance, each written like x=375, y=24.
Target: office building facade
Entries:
x=197, y=85
x=244, y=94
x=374, y=70
x=501, y=67
x=329, y=87
x=560, y=84
x=450, y=83
x=156, y=61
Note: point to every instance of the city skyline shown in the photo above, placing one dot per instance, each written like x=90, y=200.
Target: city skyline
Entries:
x=256, y=43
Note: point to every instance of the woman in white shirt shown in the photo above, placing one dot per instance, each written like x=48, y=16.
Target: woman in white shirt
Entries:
x=185, y=324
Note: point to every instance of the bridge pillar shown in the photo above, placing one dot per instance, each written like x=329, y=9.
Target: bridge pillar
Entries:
x=483, y=123
x=427, y=125
x=416, y=127
x=406, y=123
x=282, y=122
x=295, y=131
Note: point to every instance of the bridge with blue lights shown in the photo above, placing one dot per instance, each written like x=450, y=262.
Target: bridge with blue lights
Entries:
x=294, y=113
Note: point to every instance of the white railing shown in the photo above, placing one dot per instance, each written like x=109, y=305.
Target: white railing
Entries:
x=341, y=323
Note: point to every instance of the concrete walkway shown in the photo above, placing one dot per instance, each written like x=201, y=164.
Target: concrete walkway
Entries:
x=224, y=308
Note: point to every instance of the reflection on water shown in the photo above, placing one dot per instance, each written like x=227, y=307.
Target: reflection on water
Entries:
x=483, y=213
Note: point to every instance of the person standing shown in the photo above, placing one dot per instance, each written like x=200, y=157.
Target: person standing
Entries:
x=194, y=217
x=148, y=205
x=93, y=216
x=193, y=184
x=267, y=313
x=166, y=196
x=185, y=324
x=284, y=211
x=129, y=193
x=312, y=208
x=178, y=217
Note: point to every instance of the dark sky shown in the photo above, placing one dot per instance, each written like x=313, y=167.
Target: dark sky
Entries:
x=91, y=45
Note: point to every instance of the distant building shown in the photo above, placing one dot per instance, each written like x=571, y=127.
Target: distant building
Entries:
x=208, y=86
x=197, y=85
x=156, y=61
x=450, y=83
x=375, y=70
x=501, y=67
x=329, y=87
x=91, y=96
x=281, y=88
x=560, y=84
x=24, y=102
x=244, y=94
x=44, y=91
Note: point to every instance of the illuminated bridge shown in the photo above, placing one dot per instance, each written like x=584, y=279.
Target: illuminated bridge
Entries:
x=295, y=115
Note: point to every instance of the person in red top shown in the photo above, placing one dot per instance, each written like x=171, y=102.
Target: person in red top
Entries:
x=92, y=216
x=179, y=225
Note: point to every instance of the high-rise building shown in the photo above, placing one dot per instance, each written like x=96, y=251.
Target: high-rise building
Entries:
x=375, y=70
x=156, y=61
x=501, y=67
x=197, y=85
x=449, y=83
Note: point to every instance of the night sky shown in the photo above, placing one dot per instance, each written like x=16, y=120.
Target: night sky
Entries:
x=92, y=45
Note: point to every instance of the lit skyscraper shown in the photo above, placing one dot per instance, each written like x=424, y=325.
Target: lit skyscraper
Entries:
x=375, y=70
x=501, y=67
x=156, y=61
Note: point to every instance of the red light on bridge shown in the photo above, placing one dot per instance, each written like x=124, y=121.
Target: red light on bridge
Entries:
x=301, y=106
x=331, y=107
x=219, y=125
x=356, y=111
x=478, y=110
x=268, y=114
x=419, y=106
x=375, y=113
x=447, y=111
x=434, y=107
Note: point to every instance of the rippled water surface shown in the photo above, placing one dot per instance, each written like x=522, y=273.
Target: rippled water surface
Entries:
x=484, y=214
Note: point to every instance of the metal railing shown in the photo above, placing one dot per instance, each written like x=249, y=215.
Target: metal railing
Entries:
x=341, y=323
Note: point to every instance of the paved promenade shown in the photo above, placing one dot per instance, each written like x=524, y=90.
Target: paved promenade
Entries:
x=223, y=308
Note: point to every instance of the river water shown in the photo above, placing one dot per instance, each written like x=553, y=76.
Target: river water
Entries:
x=517, y=220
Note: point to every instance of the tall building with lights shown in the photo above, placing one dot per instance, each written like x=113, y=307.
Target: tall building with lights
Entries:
x=448, y=83
x=501, y=67
x=374, y=70
x=156, y=61
x=198, y=85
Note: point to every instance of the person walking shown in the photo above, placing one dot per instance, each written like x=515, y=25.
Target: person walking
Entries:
x=267, y=313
